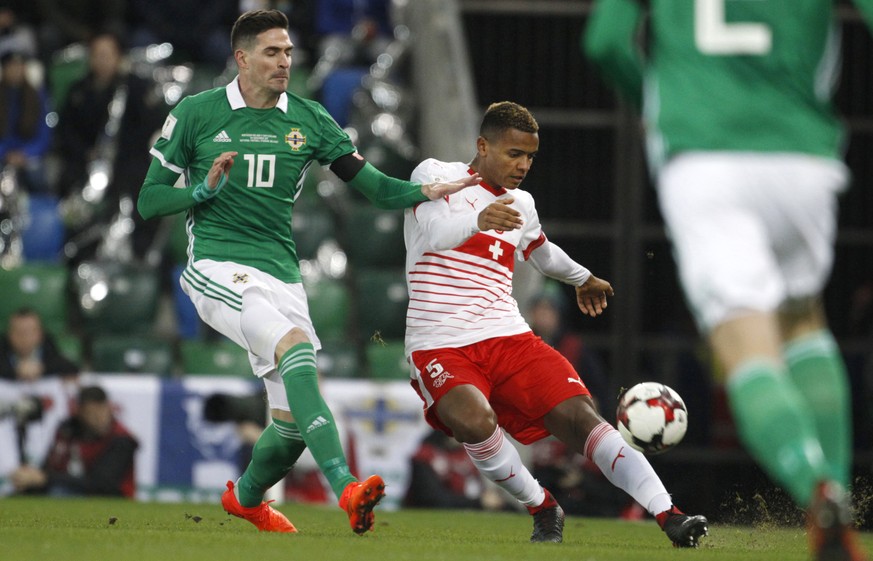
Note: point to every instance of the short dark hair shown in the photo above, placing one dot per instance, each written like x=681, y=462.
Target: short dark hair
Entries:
x=254, y=22
x=505, y=115
x=25, y=311
x=92, y=394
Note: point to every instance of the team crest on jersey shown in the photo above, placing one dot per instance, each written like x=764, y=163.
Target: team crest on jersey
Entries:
x=295, y=139
x=240, y=278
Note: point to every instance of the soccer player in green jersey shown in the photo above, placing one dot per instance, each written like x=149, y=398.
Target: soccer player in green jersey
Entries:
x=747, y=155
x=243, y=150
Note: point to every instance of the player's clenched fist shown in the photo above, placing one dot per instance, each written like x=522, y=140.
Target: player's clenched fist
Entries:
x=500, y=216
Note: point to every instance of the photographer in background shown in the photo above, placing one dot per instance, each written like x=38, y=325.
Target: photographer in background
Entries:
x=28, y=353
x=92, y=454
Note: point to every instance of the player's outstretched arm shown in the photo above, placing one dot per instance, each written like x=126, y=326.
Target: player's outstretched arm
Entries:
x=434, y=191
x=591, y=296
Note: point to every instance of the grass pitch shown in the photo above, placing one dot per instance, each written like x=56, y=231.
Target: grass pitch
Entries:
x=37, y=529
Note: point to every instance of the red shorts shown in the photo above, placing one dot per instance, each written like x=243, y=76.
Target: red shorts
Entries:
x=522, y=377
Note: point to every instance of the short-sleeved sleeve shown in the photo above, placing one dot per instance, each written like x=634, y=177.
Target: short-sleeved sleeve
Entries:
x=334, y=141
x=173, y=147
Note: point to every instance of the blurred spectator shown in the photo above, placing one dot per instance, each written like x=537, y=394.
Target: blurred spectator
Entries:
x=578, y=484
x=350, y=36
x=64, y=22
x=104, y=134
x=15, y=35
x=92, y=454
x=546, y=319
x=197, y=29
x=364, y=25
x=443, y=476
x=28, y=353
x=25, y=136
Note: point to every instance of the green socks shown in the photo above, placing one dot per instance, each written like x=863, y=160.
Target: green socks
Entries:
x=316, y=422
x=275, y=452
x=774, y=422
x=816, y=367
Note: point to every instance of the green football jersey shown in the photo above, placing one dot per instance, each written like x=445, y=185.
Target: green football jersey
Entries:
x=249, y=221
x=739, y=75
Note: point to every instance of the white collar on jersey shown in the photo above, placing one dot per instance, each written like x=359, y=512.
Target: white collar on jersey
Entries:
x=234, y=96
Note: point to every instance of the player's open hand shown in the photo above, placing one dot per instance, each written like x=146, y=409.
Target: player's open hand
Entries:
x=591, y=296
x=500, y=216
x=434, y=191
x=220, y=166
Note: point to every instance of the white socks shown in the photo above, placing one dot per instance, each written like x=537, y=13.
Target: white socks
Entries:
x=626, y=468
x=498, y=460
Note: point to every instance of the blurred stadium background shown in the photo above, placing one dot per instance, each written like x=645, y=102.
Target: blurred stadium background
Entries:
x=421, y=95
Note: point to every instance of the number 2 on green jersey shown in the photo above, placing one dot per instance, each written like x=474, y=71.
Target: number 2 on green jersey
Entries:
x=714, y=36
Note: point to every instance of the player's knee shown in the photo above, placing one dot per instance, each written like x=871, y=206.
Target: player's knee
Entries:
x=472, y=426
x=573, y=419
x=291, y=339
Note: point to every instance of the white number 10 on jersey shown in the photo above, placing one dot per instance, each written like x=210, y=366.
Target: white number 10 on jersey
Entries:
x=262, y=169
x=714, y=36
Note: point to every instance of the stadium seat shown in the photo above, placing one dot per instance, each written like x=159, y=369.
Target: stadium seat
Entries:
x=338, y=359
x=374, y=237
x=67, y=66
x=310, y=228
x=177, y=246
x=128, y=354
x=328, y=306
x=43, y=238
x=309, y=194
x=386, y=157
x=387, y=360
x=40, y=286
x=70, y=345
x=116, y=298
x=298, y=81
x=188, y=322
x=382, y=298
x=220, y=358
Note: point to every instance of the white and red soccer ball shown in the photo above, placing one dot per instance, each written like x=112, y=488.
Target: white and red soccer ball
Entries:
x=651, y=417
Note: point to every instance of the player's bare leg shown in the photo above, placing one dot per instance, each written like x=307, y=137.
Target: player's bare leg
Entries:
x=473, y=422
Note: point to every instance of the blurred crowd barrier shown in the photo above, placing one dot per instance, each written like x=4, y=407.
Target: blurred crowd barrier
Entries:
x=182, y=456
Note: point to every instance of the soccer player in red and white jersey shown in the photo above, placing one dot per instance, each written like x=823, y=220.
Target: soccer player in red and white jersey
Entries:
x=477, y=365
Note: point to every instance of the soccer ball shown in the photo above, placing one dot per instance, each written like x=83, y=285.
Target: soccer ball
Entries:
x=651, y=417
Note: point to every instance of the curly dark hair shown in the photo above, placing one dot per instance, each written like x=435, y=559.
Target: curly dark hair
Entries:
x=505, y=115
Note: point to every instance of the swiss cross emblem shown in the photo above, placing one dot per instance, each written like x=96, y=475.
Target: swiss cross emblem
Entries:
x=295, y=139
x=496, y=250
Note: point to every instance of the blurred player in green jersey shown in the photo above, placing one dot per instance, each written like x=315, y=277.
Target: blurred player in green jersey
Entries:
x=243, y=150
x=747, y=154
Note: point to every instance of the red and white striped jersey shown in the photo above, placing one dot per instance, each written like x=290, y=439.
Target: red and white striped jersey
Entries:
x=459, y=279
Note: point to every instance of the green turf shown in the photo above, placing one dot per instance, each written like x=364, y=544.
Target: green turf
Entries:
x=40, y=529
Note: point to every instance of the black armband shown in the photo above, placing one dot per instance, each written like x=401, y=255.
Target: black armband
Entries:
x=347, y=167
